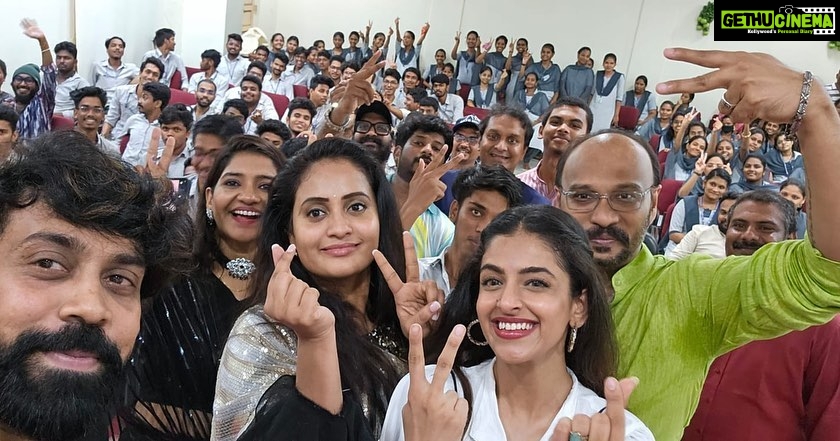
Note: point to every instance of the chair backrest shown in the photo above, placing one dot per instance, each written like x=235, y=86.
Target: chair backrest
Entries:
x=628, y=117
x=192, y=71
x=58, y=122
x=668, y=194
x=281, y=102
x=665, y=226
x=179, y=96
x=654, y=142
x=175, y=82
x=477, y=111
x=123, y=143
x=301, y=91
x=464, y=92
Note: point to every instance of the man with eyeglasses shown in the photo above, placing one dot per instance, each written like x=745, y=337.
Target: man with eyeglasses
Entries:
x=34, y=99
x=89, y=103
x=566, y=120
x=372, y=129
x=465, y=139
x=673, y=318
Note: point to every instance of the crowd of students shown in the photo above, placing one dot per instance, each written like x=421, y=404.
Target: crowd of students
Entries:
x=354, y=268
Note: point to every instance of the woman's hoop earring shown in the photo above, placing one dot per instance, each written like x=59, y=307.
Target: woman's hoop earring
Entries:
x=572, y=338
x=470, y=337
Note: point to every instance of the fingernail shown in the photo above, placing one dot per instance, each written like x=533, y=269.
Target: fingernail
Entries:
x=635, y=380
x=435, y=317
x=612, y=383
x=414, y=329
x=435, y=306
x=292, y=248
x=459, y=330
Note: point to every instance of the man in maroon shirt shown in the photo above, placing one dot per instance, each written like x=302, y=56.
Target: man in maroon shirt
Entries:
x=787, y=388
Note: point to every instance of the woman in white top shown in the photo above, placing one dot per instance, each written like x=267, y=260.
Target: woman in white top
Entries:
x=540, y=340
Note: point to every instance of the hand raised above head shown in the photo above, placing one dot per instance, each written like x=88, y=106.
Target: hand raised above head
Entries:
x=31, y=29
x=756, y=85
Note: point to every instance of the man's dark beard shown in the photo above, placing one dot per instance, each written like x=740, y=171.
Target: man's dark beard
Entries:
x=25, y=99
x=381, y=152
x=613, y=264
x=48, y=404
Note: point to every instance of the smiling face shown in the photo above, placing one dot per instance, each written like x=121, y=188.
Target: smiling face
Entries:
x=725, y=149
x=695, y=147
x=563, y=125
x=466, y=141
x=89, y=114
x=335, y=225
x=503, y=142
x=714, y=188
x=753, y=224
x=69, y=317
x=793, y=194
x=149, y=73
x=250, y=93
x=525, y=305
x=238, y=200
x=583, y=57
x=755, y=142
x=205, y=93
x=116, y=48
x=440, y=57
x=299, y=120
x=277, y=43
x=609, y=64
x=233, y=47
x=753, y=170
x=410, y=80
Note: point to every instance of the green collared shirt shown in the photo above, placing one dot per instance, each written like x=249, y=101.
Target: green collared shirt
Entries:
x=673, y=318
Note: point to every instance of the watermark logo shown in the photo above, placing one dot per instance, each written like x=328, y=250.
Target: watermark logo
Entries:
x=778, y=23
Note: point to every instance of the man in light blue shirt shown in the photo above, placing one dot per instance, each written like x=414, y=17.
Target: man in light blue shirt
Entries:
x=164, y=51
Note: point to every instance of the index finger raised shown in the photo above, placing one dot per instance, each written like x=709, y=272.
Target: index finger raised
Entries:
x=416, y=360
x=447, y=357
x=412, y=267
x=393, y=280
x=616, y=403
x=154, y=143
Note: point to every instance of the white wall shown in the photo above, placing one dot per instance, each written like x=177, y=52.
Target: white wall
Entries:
x=635, y=30
x=198, y=24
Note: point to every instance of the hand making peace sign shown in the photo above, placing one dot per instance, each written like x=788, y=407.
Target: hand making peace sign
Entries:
x=431, y=413
x=417, y=301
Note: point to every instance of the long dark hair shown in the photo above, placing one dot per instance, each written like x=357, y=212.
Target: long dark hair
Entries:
x=365, y=368
x=595, y=355
x=206, y=240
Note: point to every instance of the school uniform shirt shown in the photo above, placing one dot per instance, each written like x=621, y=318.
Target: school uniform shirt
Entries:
x=434, y=269
x=171, y=62
x=406, y=59
x=221, y=81
x=548, y=79
x=702, y=239
x=123, y=107
x=453, y=109
x=278, y=86
x=299, y=78
x=107, y=78
x=140, y=133
x=266, y=107
x=485, y=423
x=233, y=69
x=64, y=105
x=210, y=111
x=236, y=92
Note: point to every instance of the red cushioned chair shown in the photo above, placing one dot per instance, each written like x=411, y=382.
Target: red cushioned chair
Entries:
x=123, y=143
x=58, y=122
x=192, y=71
x=301, y=91
x=464, y=92
x=628, y=117
x=477, y=111
x=668, y=194
x=281, y=102
x=181, y=97
x=654, y=142
x=175, y=82
x=664, y=226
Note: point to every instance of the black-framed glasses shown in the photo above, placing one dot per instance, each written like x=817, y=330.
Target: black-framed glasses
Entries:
x=23, y=79
x=586, y=201
x=380, y=129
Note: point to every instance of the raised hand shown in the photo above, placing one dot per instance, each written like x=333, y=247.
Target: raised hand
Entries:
x=159, y=168
x=757, y=85
x=369, y=25
x=31, y=29
x=700, y=164
x=717, y=124
x=425, y=28
x=608, y=426
x=416, y=301
x=430, y=413
x=458, y=36
x=504, y=75
x=526, y=57
x=292, y=302
x=486, y=46
x=511, y=48
x=426, y=187
x=390, y=31
x=397, y=22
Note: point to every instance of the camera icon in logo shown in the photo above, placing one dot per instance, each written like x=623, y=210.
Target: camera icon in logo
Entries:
x=788, y=9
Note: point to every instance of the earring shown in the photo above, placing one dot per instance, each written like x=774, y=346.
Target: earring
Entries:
x=210, y=220
x=571, y=345
x=470, y=337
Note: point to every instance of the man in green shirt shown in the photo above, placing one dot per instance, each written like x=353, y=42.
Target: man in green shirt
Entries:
x=673, y=318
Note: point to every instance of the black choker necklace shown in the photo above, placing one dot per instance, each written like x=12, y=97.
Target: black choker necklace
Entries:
x=239, y=268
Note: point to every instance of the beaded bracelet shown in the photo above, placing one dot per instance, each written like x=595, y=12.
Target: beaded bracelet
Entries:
x=804, y=94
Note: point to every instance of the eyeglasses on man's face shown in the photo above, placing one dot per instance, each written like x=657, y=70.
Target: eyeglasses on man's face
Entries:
x=582, y=201
x=471, y=140
x=380, y=129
